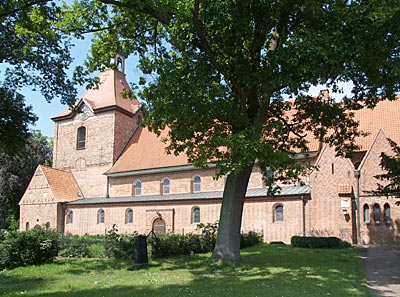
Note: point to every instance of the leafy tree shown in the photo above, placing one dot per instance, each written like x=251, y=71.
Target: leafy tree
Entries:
x=35, y=53
x=391, y=179
x=16, y=173
x=215, y=73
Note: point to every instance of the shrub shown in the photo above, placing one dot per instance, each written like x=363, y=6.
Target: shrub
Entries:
x=33, y=247
x=120, y=246
x=171, y=245
x=83, y=246
x=319, y=242
x=249, y=239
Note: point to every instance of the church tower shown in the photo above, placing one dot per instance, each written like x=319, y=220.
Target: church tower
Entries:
x=89, y=138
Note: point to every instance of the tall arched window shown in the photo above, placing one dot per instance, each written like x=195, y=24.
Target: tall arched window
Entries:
x=129, y=216
x=27, y=226
x=386, y=213
x=196, y=215
x=70, y=217
x=165, y=185
x=47, y=225
x=100, y=216
x=377, y=213
x=196, y=183
x=136, y=188
x=367, y=216
x=81, y=138
x=278, y=213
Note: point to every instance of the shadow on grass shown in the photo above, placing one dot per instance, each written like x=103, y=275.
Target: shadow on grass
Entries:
x=266, y=271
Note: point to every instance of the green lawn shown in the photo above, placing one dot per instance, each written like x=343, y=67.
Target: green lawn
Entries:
x=266, y=271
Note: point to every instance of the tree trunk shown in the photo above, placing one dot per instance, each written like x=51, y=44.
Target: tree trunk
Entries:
x=227, y=248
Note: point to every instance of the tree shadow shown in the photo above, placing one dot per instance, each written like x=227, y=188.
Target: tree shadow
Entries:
x=265, y=271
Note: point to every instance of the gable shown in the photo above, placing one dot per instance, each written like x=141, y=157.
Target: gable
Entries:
x=370, y=166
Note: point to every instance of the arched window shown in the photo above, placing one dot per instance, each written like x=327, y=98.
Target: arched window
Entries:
x=195, y=215
x=100, y=216
x=367, y=216
x=377, y=213
x=47, y=225
x=27, y=226
x=165, y=186
x=81, y=138
x=136, y=188
x=129, y=216
x=278, y=213
x=196, y=183
x=70, y=217
x=386, y=213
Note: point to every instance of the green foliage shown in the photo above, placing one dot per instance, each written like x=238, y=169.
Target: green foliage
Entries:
x=319, y=242
x=119, y=246
x=391, y=178
x=34, y=247
x=86, y=246
x=16, y=172
x=173, y=245
x=215, y=73
x=250, y=239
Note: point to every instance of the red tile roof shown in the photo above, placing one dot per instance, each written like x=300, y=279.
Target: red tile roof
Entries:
x=109, y=93
x=145, y=150
x=62, y=183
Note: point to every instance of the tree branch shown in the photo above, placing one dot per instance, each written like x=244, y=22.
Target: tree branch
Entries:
x=144, y=8
x=27, y=5
x=204, y=46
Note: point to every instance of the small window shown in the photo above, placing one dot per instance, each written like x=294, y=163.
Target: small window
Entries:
x=129, y=216
x=137, y=188
x=377, y=214
x=386, y=213
x=196, y=180
x=44, y=194
x=100, y=217
x=47, y=225
x=165, y=184
x=27, y=226
x=367, y=216
x=70, y=217
x=196, y=215
x=81, y=138
x=278, y=213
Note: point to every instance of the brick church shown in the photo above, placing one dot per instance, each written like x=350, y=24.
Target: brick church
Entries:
x=108, y=170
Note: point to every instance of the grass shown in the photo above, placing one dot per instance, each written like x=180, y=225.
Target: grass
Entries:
x=266, y=271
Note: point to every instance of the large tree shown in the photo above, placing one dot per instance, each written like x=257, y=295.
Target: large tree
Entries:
x=35, y=53
x=216, y=73
x=17, y=171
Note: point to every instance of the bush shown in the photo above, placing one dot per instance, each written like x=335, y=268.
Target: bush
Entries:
x=319, y=242
x=34, y=247
x=171, y=245
x=120, y=246
x=83, y=246
x=249, y=239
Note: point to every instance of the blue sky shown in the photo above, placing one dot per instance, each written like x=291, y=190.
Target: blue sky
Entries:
x=45, y=110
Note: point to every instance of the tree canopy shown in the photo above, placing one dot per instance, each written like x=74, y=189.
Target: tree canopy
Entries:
x=390, y=180
x=36, y=53
x=16, y=172
x=216, y=73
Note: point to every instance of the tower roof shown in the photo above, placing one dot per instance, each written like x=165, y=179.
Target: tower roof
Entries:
x=107, y=95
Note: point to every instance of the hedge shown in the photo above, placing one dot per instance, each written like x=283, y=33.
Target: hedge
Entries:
x=319, y=242
x=33, y=247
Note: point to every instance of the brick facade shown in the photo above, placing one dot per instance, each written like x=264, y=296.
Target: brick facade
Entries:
x=104, y=176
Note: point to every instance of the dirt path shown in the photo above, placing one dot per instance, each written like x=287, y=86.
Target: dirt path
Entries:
x=382, y=266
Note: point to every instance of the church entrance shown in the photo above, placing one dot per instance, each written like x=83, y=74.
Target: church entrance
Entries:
x=159, y=226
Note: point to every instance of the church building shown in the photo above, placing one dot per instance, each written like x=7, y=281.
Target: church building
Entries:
x=108, y=169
